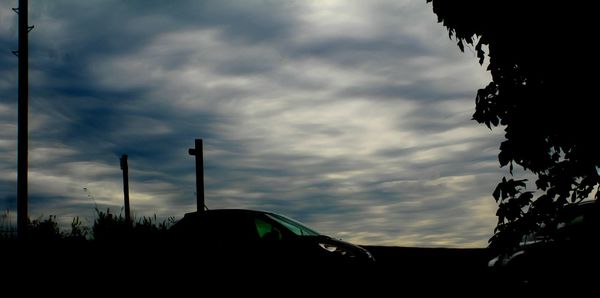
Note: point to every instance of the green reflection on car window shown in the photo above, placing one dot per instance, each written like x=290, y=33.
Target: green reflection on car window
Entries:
x=262, y=227
x=292, y=225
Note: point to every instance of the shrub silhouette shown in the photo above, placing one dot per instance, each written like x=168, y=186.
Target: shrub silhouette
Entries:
x=111, y=227
x=78, y=231
x=44, y=230
x=108, y=227
x=7, y=231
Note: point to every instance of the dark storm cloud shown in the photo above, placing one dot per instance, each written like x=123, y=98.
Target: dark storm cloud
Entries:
x=115, y=26
x=418, y=90
x=350, y=116
x=371, y=50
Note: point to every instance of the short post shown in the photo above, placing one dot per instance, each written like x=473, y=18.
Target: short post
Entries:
x=197, y=152
x=125, y=168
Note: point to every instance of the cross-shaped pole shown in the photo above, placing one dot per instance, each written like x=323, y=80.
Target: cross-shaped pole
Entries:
x=197, y=152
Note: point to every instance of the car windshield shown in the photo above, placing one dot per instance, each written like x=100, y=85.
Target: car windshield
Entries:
x=292, y=225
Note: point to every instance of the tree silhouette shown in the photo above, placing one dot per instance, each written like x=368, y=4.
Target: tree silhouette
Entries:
x=543, y=92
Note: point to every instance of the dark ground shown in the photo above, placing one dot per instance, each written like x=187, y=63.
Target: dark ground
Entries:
x=433, y=270
x=102, y=269
x=153, y=267
x=433, y=263
x=150, y=267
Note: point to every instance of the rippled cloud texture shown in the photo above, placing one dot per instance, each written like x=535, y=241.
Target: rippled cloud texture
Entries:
x=351, y=116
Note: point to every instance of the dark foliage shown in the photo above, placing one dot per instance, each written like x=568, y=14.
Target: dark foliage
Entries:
x=107, y=227
x=44, y=229
x=543, y=92
x=110, y=227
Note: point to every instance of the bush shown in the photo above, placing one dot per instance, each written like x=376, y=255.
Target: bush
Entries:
x=107, y=227
x=110, y=227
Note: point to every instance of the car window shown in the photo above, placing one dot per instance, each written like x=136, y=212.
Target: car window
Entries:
x=266, y=231
x=292, y=225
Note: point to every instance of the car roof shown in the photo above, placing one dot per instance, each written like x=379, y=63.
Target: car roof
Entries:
x=191, y=218
x=226, y=211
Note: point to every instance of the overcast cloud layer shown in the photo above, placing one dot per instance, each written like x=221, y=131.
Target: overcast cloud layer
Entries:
x=351, y=116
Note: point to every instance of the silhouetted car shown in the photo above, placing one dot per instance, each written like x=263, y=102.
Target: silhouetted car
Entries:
x=557, y=255
x=256, y=236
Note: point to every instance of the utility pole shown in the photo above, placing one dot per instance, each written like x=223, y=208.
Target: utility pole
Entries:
x=23, y=111
x=125, y=168
x=197, y=152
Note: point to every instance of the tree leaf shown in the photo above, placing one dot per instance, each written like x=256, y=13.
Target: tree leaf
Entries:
x=496, y=193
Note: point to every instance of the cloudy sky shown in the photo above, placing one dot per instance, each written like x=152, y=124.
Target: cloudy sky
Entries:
x=350, y=116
